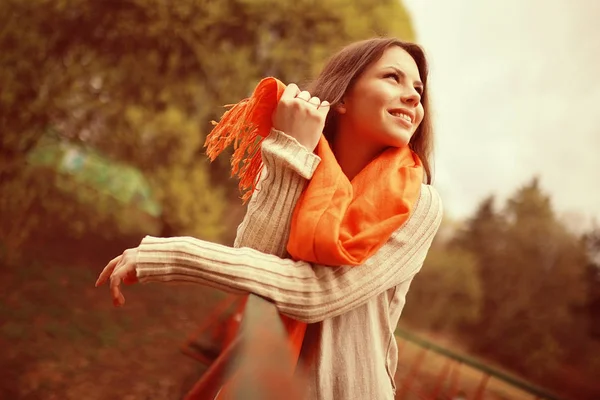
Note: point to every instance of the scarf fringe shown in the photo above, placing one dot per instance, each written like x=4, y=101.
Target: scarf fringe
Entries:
x=236, y=127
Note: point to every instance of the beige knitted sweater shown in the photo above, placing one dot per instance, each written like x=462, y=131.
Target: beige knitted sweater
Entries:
x=349, y=351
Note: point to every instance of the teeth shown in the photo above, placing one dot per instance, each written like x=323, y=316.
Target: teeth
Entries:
x=401, y=115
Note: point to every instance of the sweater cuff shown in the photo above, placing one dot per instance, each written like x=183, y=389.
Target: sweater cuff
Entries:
x=280, y=149
x=156, y=259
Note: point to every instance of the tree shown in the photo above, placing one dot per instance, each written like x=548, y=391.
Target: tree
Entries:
x=592, y=242
x=532, y=272
x=139, y=80
x=448, y=277
x=482, y=235
x=517, y=286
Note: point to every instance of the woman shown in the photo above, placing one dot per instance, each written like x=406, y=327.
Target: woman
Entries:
x=333, y=244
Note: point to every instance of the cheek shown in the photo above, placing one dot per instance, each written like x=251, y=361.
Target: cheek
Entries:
x=375, y=95
x=374, y=107
x=420, y=113
x=367, y=105
x=367, y=109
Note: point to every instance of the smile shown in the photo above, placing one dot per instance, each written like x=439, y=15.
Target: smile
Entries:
x=401, y=115
x=404, y=117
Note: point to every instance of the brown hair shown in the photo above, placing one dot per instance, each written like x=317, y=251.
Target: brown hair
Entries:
x=344, y=67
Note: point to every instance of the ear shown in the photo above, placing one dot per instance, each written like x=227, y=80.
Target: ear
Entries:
x=341, y=107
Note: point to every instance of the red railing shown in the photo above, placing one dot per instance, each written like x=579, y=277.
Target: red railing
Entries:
x=255, y=363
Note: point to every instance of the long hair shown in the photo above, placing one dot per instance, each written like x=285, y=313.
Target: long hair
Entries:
x=344, y=67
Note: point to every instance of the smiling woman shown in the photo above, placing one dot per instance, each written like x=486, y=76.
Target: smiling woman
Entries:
x=382, y=108
x=341, y=224
x=375, y=78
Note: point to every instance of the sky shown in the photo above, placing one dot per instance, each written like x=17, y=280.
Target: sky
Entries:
x=515, y=89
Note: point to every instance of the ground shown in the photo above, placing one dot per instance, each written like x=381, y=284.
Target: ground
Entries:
x=63, y=339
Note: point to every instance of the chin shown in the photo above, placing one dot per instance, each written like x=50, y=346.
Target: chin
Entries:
x=399, y=139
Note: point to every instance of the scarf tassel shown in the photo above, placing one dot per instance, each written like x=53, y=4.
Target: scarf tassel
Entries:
x=246, y=162
x=245, y=125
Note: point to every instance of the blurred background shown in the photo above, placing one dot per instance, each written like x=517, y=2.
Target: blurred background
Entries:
x=104, y=107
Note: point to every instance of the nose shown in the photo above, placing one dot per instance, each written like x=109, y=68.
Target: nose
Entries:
x=411, y=98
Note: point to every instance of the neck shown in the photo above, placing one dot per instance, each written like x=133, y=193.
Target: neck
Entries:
x=353, y=154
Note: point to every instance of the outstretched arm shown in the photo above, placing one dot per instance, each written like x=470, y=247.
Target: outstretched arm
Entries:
x=303, y=291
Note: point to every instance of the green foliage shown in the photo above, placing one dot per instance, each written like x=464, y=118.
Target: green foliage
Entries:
x=184, y=189
x=515, y=285
x=139, y=81
x=39, y=202
x=532, y=272
x=449, y=277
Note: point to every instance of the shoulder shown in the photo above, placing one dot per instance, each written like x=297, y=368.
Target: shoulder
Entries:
x=429, y=207
x=425, y=217
x=409, y=244
x=424, y=220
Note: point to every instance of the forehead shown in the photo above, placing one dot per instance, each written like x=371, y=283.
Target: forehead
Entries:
x=396, y=56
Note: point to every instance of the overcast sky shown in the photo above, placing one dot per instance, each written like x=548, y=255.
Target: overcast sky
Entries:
x=515, y=86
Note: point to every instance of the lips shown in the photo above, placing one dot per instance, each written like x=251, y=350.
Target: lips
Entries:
x=403, y=115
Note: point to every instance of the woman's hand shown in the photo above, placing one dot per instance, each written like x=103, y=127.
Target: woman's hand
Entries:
x=301, y=116
x=120, y=269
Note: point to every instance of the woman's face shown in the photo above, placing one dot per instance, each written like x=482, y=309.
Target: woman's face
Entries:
x=383, y=107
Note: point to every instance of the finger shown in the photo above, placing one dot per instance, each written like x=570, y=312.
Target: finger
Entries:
x=290, y=91
x=118, y=298
x=315, y=101
x=304, y=95
x=107, y=271
x=324, y=107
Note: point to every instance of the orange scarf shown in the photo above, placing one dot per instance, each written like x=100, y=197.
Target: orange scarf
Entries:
x=336, y=221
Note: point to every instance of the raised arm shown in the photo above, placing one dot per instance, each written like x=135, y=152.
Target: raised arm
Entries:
x=287, y=168
x=309, y=293
x=289, y=162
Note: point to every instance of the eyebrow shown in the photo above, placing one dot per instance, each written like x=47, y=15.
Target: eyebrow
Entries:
x=402, y=74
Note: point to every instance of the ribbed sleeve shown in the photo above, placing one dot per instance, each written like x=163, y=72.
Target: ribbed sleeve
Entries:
x=306, y=292
x=287, y=168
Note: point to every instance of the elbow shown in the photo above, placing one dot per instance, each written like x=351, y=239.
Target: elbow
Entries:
x=304, y=316
x=314, y=310
x=312, y=317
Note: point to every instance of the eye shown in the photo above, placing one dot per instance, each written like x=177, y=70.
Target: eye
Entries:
x=419, y=90
x=394, y=75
